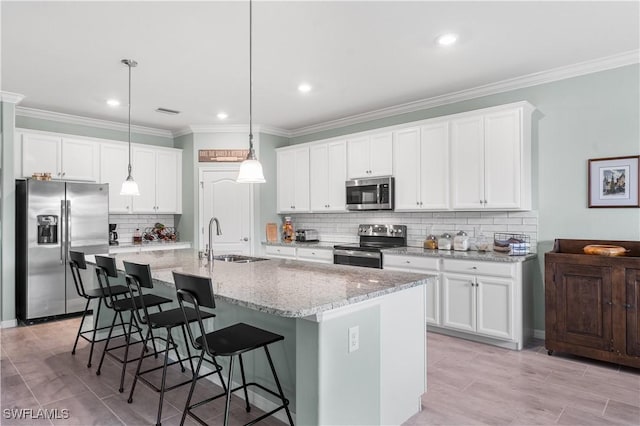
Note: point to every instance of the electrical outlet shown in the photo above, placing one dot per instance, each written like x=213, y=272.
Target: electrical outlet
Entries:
x=354, y=338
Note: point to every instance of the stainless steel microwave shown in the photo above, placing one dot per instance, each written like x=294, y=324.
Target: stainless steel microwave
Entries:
x=370, y=193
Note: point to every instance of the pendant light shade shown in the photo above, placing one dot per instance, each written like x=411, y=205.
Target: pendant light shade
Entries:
x=250, y=169
x=129, y=186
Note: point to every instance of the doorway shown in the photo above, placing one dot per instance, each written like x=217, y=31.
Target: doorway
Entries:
x=231, y=203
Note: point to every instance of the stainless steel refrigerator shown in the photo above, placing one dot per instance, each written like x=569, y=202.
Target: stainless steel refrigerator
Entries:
x=53, y=217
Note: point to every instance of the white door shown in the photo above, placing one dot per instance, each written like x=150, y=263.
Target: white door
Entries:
x=467, y=163
x=230, y=202
x=113, y=170
x=358, y=158
x=459, y=302
x=432, y=306
x=495, y=307
x=406, y=163
x=301, y=180
x=80, y=160
x=337, y=161
x=167, y=174
x=286, y=175
x=144, y=173
x=434, y=173
x=319, y=177
x=503, y=162
x=41, y=154
x=380, y=155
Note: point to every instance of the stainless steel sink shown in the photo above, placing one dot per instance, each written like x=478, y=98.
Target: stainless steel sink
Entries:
x=237, y=258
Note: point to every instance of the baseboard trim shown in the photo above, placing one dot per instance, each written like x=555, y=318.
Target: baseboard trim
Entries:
x=9, y=323
x=538, y=334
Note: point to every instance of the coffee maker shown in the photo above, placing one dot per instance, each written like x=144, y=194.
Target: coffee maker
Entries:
x=113, y=235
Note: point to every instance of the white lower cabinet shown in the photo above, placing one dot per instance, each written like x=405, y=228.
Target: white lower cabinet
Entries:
x=309, y=254
x=427, y=265
x=481, y=300
x=280, y=252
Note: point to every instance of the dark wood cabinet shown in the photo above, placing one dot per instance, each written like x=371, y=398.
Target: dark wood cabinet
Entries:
x=592, y=302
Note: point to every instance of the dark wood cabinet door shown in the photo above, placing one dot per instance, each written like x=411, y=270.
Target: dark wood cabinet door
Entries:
x=632, y=306
x=584, y=305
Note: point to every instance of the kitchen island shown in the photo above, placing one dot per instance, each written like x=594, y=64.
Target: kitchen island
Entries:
x=355, y=342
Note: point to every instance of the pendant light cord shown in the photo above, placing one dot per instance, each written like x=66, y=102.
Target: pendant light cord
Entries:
x=251, y=152
x=129, y=167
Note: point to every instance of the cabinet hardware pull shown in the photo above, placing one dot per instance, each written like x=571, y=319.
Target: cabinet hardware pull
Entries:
x=313, y=253
x=485, y=201
x=474, y=267
x=407, y=261
x=417, y=203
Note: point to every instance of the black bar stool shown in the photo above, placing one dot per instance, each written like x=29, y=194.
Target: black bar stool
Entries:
x=139, y=276
x=77, y=263
x=105, y=268
x=226, y=342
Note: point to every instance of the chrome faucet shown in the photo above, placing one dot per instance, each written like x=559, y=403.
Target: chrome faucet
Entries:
x=209, y=250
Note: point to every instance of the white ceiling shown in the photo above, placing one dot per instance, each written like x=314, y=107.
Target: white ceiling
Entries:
x=359, y=56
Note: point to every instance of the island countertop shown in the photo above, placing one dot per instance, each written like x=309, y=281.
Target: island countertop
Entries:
x=286, y=288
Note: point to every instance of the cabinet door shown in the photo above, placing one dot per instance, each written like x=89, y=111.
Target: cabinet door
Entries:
x=434, y=170
x=168, y=180
x=80, y=160
x=114, y=159
x=432, y=306
x=358, y=158
x=458, y=302
x=286, y=175
x=467, y=163
x=633, y=305
x=41, y=154
x=319, y=177
x=583, y=305
x=502, y=159
x=406, y=163
x=144, y=173
x=495, y=307
x=337, y=162
x=301, y=180
x=381, y=155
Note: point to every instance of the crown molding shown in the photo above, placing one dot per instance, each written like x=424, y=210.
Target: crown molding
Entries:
x=92, y=122
x=231, y=128
x=548, y=76
x=12, y=98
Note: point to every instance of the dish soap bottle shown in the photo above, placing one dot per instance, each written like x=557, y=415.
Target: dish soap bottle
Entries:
x=287, y=230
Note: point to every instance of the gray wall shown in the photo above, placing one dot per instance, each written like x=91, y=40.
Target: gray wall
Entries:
x=185, y=223
x=268, y=190
x=591, y=116
x=93, y=132
x=7, y=215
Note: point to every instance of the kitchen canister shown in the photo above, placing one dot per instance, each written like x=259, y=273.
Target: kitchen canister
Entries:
x=461, y=241
x=445, y=241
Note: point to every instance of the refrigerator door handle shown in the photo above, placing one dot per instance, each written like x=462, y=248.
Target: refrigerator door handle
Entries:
x=68, y=226
x=62, y=229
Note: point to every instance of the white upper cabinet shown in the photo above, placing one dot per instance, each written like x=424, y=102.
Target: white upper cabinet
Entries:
x=114, y=159
x=158, y=175
x=328, y=173
x=64, y=158
x=293, y=180
x=490, y=160
x=421, y=164
x=369, y=156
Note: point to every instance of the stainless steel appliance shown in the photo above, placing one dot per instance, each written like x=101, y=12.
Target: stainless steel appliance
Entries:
x=370, y=193
x=306, y=235
x=53, y=217
x=113, y=235
x=373, y=239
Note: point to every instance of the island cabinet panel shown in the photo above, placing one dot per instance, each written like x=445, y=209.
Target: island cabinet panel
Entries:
x=591, y=302
x=632, y=308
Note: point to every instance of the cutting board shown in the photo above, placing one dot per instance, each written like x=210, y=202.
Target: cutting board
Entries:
x=272, y=232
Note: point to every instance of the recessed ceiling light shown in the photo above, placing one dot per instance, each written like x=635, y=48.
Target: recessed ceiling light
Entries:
x=113, y=102
x=447, y=39
x=222, y=115
x=304, y=87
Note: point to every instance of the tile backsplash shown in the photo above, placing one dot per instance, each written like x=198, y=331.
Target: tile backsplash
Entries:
x=127, y=223
x=343, y=227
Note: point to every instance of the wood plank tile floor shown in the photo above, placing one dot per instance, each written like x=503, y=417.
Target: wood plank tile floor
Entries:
x=468, y=383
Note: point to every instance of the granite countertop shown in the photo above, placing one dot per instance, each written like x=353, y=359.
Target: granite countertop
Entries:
x=286, y=288
x=316, y=244
x=490, y=256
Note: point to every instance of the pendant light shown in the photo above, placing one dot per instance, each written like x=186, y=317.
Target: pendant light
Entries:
x=250, y=169
x=129, y=186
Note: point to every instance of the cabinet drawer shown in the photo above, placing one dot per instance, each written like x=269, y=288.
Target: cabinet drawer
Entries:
x=315, y=254
x=411, y=262
x=280, y=251
x=495, y=269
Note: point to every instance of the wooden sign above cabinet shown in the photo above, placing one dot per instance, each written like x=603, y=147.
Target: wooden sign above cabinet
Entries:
x=222, y=155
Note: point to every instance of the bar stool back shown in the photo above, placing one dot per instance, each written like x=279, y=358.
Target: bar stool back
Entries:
x=228, y=342
x=76, y=264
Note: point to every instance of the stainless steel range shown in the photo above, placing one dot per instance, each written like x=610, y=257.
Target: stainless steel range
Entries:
x=373, y=238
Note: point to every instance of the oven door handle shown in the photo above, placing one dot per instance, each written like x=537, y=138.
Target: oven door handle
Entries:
x=356, y=253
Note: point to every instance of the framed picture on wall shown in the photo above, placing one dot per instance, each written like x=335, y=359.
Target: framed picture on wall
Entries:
x=614, y=182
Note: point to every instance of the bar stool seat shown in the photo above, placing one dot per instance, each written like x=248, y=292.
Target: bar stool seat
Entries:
x=77, y=263
x=232, y=341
